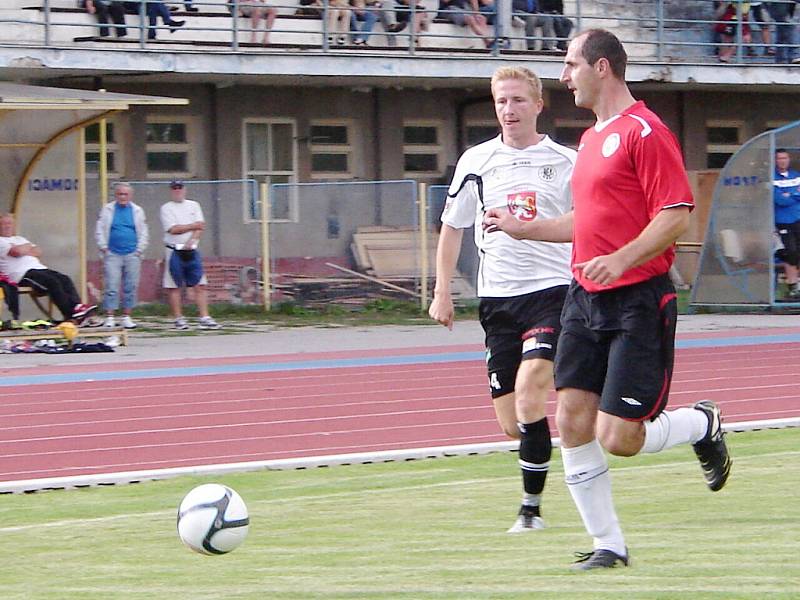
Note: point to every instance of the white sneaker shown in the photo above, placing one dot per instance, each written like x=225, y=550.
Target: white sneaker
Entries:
x=526, y=521
x=128, y=323
x=181, y=324
x=110, y=321
x=208, y=323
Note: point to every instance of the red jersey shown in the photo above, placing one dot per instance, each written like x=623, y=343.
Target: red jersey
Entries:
x=628, y=169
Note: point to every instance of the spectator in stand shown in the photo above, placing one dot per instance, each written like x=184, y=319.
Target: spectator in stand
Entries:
x=727, y=13
x=189, y=8
x=760, y=18
x=338, y=21
x=9, y=292
x=155, y=9
x=528, y=11
x=103, y=9
x=122, y=236
x=256, y=11
x=562, y=26
x=785, y=31
x=183, y=224
x=19, y=262
x=402, y=13
x=466, y=13
x=786, y=194
x=366, y=13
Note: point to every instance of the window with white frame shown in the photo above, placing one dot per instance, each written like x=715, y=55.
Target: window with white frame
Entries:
x=723, y=138
x=269, y=149
x=568, y=132
x=169, y=146
x=114, y=155
x=481, y=131
x=330, y=143
x=422, y=148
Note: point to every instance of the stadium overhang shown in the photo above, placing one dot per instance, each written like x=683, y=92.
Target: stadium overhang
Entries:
x=34, y=118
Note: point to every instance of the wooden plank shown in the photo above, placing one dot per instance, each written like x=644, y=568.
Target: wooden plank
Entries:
x=391, y=286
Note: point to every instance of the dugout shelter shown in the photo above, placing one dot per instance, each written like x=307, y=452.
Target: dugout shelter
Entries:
x=42, y=164
x=738, y=263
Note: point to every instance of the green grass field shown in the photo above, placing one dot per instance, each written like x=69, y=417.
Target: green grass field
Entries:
x=432, y=529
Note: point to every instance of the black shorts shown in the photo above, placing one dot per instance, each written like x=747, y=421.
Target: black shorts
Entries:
x=519, y=328
x=620, y=345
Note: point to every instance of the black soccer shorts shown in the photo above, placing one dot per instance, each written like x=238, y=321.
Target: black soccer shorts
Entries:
x=620, y=344
x=519, y=328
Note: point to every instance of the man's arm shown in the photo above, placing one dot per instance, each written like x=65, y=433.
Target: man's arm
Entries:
x=441, y=309
x=667, y=226
x=27, y=249
x=558, y=229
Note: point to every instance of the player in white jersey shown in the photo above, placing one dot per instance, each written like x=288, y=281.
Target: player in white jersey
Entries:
x=521, y=283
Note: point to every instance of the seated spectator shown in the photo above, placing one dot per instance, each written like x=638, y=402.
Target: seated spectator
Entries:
x=338, y=21
x=759, y=18
x=402, y=13
x=727, y=29
x=258, y=10
x=367, y=12
x=561, y=25
x=785, y=31
x=528, y=11
x=466, y=13
x=153, y=10
x=19, y=261
x=103, y=9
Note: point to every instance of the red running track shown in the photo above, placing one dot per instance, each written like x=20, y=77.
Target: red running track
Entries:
x=77, y=429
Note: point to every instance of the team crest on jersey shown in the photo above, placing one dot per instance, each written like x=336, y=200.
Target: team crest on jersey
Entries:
x=611, y=144
x=522, y=205
x=547, y=173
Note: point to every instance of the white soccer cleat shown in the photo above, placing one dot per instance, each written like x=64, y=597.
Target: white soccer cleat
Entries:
x=527, y=520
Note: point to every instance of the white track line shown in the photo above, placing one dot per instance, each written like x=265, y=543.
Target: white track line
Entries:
x=312, y=462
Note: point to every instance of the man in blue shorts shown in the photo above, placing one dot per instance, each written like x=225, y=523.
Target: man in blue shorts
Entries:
x=614, y=362
x=521, y=283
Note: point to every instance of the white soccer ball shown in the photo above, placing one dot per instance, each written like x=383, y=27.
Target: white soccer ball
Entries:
x=212, y=519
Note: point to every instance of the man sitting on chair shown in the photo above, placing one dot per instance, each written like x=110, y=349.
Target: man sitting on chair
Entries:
x=19, y=261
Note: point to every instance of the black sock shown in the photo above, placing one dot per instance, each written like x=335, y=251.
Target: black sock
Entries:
x=534, y=455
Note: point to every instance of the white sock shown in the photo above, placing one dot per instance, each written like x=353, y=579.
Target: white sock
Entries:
x=681, y=426
x=589, y=483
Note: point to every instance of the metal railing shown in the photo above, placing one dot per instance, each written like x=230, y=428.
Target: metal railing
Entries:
x=660, y=30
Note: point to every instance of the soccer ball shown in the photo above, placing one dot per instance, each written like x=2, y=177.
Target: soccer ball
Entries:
x=212, y=519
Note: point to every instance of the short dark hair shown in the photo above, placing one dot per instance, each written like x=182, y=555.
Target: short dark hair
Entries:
x=599, y=43
x=779, y=150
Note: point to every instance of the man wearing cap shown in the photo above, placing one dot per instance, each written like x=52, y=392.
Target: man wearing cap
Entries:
x=183, y=224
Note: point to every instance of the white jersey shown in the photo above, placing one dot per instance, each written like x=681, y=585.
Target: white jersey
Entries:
x=179, y=213
x=531, y=183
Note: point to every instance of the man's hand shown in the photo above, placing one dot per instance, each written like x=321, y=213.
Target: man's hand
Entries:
x=199, y=225
x=603, y=270
x=441, y=309
x=499, y=219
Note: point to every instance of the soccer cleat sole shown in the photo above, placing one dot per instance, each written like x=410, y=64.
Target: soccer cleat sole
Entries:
x=523, y=525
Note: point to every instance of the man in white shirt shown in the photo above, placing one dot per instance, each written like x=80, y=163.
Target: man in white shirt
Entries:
x=183, y=224
x=19, y=262
x=522, y=284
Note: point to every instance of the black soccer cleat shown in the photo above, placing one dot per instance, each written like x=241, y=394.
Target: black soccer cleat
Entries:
x=599, y=559
x=711, y=451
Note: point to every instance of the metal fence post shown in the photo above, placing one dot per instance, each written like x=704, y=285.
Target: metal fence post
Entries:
x=660, y=30
x=46, y=22
x=265, y=254
x=422, y=203
x=235, y=15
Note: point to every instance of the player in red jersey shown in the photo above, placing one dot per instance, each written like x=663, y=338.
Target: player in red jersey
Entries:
x=613, y=367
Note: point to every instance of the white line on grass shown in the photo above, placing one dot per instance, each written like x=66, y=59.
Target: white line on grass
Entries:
x=358, y=493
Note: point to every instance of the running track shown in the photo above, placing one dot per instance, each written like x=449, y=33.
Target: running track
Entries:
x=95, y=420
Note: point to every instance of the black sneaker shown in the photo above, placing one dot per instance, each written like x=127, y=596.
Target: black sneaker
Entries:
x=599, y=559
x=711, y=451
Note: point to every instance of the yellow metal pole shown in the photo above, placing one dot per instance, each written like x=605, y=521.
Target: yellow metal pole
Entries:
x=422, y=202
x=103, y=167
x=265, y=258
x=82, y=270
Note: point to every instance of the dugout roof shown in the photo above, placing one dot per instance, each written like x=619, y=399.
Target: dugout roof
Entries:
x=32, y=118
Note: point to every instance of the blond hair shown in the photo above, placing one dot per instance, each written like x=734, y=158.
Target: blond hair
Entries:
x=520, y=74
